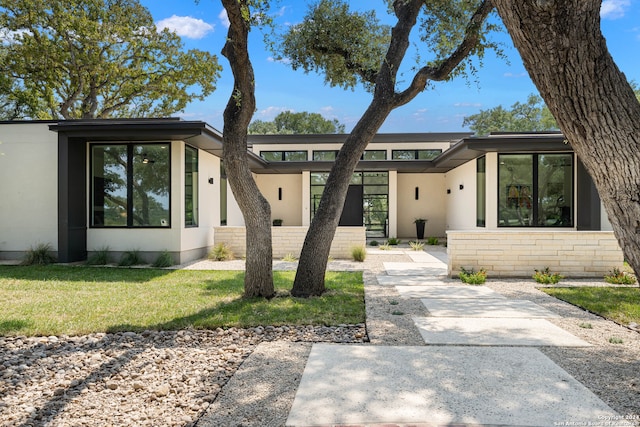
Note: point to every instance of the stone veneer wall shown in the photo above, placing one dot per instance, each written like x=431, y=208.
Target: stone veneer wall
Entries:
x=289, y=240
x=517, y=253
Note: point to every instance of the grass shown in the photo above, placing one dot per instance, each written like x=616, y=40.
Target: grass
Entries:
x=359, y=253
x=621, y=305
x=56, y=300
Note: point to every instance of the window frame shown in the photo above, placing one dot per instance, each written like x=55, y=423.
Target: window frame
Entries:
x=416, y=153
x=195, y=192
x=535, y=191
x=284, y=154
x=130, y=148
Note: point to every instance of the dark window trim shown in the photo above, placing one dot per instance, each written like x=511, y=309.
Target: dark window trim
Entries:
x=534, y=195
x=197, y=218
x=374, y=151
x=481, y=161
x=129, y=146
x=416, y=153
x=283, y=154
x=313, y=154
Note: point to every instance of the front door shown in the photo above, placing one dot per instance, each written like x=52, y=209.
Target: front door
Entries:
x=353, y=212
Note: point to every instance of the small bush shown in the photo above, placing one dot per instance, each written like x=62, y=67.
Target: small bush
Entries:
x=39, y=255
x=615, y=340
x=220, y=252
x=130, y=258
x=471, y=277
x=546, y=277
x=100, y=257
x=385, y=247
x=358, y=253
x=164, y=260
x=618, y=277
x=393, y=241
x=586, y=325
x=289, y=258
x=374, y=243
x=433, y=241
x=416, y=246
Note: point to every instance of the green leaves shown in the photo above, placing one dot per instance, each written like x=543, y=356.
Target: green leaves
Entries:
x=347, y=46
x=288, y=122
x=521, y=117
x=99, y=59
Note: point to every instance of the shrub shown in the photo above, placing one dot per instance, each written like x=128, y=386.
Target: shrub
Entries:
x=130, y=258
x=616, y=340
x=433, y=241
x=546, y=277
x=289, y=258
x=471, y=277
x=393, y=241
x=39, y=255
x=358, y=253
x=385, y=247
x=100, y=257
x=416, y=246
x=618, y=277
x=164, y=260
x=373, y=243
x=220, y=252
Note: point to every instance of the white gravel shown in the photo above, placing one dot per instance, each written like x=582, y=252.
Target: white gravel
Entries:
x=247, y=378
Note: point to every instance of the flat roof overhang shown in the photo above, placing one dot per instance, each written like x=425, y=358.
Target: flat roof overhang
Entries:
x=196, y=133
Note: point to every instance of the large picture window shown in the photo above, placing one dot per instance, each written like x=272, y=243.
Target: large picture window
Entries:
x=130, y=185
x=190, y=187
x=535, y=190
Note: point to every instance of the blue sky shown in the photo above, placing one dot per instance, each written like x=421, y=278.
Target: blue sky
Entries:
x=440, y=109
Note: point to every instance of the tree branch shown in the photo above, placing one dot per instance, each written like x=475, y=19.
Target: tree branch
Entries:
x=446, y=66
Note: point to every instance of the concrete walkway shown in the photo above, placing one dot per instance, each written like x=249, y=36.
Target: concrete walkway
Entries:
x=478, y=367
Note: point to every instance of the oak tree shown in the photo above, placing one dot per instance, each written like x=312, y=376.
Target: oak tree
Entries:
x=78, y=59
x=354, y=48
x=289, y=122
x=566, y=55
x=258, y=281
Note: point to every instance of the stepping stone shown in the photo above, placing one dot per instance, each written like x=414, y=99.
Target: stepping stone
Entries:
x=486, y=308
x=413, y=280
x=375, y=385
x=448, y=292
x=485, y=331
x=414, y=269
x=423, y=257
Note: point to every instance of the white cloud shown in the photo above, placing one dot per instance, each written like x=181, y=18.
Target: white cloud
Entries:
x=613, y=9
x=8, y=37
x=281, y=61
x=467, y=104
x=224, y=19
x=271, y=112
x=185, y=26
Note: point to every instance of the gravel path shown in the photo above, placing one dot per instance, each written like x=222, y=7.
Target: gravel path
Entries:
x=248, y=377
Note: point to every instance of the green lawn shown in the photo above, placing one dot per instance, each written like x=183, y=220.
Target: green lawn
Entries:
x=616, y=303
x=54, y=300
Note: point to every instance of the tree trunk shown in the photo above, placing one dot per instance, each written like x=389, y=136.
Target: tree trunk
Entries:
x=317, y=244
x=258, y=281
x=567, y=58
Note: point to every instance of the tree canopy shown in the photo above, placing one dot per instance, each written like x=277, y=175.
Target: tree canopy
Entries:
x=97, y=59
x=289, y=122
x=531, y=116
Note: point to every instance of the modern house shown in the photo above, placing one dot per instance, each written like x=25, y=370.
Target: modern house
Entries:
x=507, y=202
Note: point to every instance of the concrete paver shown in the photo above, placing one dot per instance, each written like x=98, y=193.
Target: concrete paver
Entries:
x=494, y=331
x=413, y=280
x=415, y=269
x=448, y=292
x=362, y=385
x=486, y=308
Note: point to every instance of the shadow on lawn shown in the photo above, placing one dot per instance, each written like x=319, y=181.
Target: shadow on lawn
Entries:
x=65, y=273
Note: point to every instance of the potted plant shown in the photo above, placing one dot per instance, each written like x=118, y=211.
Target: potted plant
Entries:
x=277, y=222
x=420, y=223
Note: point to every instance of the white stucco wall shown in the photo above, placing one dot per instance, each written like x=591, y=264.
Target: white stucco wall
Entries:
x=28, y=187
x=430, y=204
x=289, y=209
x=460, y=204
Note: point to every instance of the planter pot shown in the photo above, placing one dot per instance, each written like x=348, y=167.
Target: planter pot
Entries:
x=420, y=230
